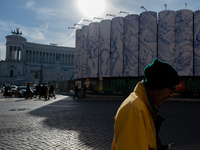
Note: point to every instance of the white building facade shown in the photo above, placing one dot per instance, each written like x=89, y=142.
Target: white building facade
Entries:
x=37, y=63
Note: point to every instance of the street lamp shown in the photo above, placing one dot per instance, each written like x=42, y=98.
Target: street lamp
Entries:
x=142, y=7
x=111, y=15
x=184, y=5
x=124, y=12
x=98, y=18
x=77, y=24
x=165, y=6
x=87, y=20
x=71, y=28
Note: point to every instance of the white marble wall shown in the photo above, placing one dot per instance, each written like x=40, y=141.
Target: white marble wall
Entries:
x=104, y=48
x=116, y=55
x=77, y=54
x=197, y=43
x=148, y=39
x=167, y=37
x=93, y=52
x=84, y=52
x=131, y=41
x=184, y=42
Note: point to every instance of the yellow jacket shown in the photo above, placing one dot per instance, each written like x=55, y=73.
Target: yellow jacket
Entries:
x=134, y=123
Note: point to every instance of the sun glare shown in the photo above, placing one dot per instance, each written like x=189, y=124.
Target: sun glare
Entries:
x=91, y=8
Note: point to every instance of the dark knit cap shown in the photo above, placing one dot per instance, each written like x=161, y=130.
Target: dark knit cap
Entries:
x=160, y=74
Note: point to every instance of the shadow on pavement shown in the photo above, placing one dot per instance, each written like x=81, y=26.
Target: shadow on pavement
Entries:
x=182, y=123
x=93, y=119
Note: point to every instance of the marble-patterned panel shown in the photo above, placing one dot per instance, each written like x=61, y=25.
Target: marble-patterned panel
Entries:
x=148, y=39
x=167, y=36
x=104, y=48
x=77, y=54
x=197, y=43
x=184, y=42
x=117, y=37
x=131, y=34
x=93, y=52
x=84, y=52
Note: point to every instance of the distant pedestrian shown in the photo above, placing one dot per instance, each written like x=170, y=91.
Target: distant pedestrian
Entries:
x=28, y=92
x=43, y=92
x=7, y=91
x=76, y=91
x=47, y=91
x=51, y=92
x=38, y=88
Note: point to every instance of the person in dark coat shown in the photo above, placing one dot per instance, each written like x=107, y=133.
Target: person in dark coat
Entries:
x=28, y=92
x=76, y=91
x=43, y=92
x=38, y=89
x=7, y=91
x=51, y=92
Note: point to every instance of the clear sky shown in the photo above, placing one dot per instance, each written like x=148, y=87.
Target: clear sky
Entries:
x=47, y=21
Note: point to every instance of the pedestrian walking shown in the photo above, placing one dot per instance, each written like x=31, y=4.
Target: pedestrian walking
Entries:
x=47, y=92
x=137, y=121
x=7, y=91
x=52, y=92
x=76, y=91
x=38, y=88
x=28, y=92
x=43, y=92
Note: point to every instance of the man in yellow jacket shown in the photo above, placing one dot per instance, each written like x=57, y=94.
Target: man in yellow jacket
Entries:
x=137, y=120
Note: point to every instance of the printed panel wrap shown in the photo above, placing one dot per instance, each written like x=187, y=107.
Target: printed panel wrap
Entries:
x=104, y=48
x=93, y=53
x=117, y=37
x=77, y=54
x=197, y=43
x=84, y=52
x=131, y=34
x=148, y=39
x=167, y=37
x=184, y=42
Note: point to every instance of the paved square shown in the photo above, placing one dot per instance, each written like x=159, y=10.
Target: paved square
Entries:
x=67, y=124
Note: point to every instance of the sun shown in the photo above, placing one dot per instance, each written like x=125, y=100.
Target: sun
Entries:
x=91, y=8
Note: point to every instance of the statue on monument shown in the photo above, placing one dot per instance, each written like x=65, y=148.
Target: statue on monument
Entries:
x=16, y=32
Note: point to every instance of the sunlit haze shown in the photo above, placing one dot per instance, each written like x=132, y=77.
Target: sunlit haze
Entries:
x=91, y=8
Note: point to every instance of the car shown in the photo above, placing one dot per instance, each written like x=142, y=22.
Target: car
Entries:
x=21, y=91
x=13, y=89
x=1, y=89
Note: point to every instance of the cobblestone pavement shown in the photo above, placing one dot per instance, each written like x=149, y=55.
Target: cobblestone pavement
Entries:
x=61, y=124
x=67, y=124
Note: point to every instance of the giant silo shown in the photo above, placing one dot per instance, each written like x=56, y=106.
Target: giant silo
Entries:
x=93, y=50
x=148, y=39
x=117, y=37
x=184, y=42
x=104, y=48
x=77, y=54
x=84, y=52
x=131, y=38
x=197, y=43
x=167, y=36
